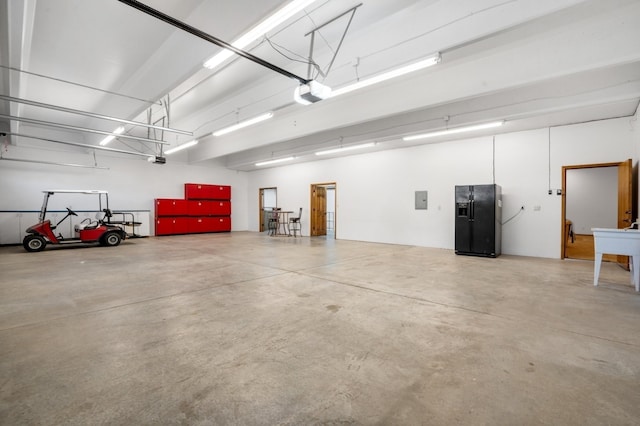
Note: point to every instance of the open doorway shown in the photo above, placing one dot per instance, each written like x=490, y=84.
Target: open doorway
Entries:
x=323, y=217
x=594, y=196
x=268, y=200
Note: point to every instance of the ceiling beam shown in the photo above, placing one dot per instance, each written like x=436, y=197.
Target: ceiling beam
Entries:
x=81, y=145
x=79, y=129
x=91, y=114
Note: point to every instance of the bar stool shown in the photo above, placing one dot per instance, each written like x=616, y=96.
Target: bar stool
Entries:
x=272, y=224
x=294, y=224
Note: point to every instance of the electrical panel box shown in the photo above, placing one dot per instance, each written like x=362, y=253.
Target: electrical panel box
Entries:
x=421, y=200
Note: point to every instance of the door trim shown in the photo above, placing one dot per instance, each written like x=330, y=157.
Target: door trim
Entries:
x=261, y=206
x=564, y=196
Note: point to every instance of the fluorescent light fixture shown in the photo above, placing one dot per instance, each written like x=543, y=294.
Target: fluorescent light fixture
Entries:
x=279, y=160
x=109, y=138
x=181, y=147
x=454, y=131
x=425, y=63
x=243, y=124
x=259, y=30
x=346, y=148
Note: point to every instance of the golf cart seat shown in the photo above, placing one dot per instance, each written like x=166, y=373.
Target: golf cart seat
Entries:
x=89, y=223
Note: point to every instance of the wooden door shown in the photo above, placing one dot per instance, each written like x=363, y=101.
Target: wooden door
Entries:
x=625, y=209
x=318, y=210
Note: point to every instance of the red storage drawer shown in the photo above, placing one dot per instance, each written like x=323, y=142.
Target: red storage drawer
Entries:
x=221, y=208
x=197, y=191
x=164, y=226
x=220, y=192
x=172, y=225
x=181, y=208
x=166, y=206
x=197, y=224
x=199, y=208
x=181, y=225
x=209, y=224
x=221, y=224
x=171, y=207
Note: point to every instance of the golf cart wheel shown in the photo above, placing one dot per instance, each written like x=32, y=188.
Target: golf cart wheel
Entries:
x=33, y=243
x=111, y=239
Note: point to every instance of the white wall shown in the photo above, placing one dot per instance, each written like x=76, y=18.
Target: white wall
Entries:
x=592, y=198
x=132, y=182
x=375, y=192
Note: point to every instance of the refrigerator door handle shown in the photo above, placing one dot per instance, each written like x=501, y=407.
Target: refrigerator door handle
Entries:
x=472, y=210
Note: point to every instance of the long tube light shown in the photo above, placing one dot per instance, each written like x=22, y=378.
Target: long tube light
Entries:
x=259, y=30
x=243, y=124
x=181, y=147
x=490, y=125
x=109, y=138
x=279, y=160
x=425, y=63
x=345, y=148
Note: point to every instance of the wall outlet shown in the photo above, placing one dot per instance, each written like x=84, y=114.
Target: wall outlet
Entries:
x=536, y=208
x=558, y=191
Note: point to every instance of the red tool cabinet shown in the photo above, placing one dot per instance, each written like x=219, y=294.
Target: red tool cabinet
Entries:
x=205, y=208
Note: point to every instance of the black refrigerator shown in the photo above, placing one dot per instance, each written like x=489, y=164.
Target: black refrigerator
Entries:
x=478, y=220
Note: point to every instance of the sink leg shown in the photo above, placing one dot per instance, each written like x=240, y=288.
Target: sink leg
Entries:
x=635, y=271
x=596, y=268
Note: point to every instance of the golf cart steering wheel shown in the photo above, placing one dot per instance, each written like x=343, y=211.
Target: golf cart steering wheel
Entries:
x=71, y=212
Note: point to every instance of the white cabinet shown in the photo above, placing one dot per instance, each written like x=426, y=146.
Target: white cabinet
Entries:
x=14, y=224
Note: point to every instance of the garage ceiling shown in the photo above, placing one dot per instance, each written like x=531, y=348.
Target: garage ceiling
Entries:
x=532, y=63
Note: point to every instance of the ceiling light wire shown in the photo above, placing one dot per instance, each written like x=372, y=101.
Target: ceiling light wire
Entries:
x=319, y=33
x=302, y=61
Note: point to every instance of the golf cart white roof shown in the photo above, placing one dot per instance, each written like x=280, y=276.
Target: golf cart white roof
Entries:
x=77, y=191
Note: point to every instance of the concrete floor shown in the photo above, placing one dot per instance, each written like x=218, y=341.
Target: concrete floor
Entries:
x=246, y=329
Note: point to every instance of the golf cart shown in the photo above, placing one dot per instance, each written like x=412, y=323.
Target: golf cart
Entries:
x=98, y=230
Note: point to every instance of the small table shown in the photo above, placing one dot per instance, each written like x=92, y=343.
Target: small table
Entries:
x=282, y=227
x=624, y=242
